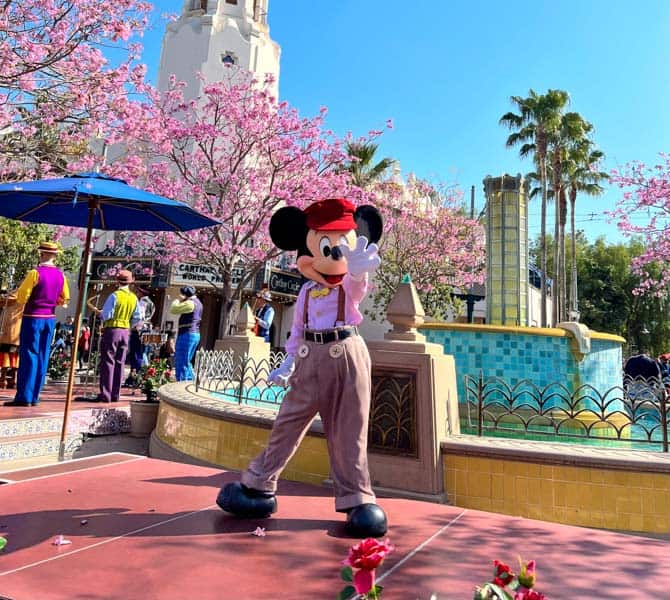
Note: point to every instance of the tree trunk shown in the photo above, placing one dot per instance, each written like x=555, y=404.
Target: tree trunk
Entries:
x=556, y=287
x=574, y=306
x=563, y=314
x=543, y=239
x=226, y=317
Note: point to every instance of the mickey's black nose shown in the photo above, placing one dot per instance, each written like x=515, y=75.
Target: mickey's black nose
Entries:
x=336, y=253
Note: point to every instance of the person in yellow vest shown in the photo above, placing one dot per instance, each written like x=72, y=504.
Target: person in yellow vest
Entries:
x=120, y=311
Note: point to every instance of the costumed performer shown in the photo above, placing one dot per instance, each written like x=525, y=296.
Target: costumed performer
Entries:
x=189, y=309
x=10, y=329
x=42, y=289
x=327, y=366
x=120, y=311
x=264, y=314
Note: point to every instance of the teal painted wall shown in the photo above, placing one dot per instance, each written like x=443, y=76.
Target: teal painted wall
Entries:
x=516, y=356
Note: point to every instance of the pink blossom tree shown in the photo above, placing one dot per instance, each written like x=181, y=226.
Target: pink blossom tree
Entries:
x=431, y=239
x=647, y=196
x=55, y=81
x=236, y=155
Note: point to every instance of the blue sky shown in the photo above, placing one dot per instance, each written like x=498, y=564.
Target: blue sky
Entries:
x=444, y=72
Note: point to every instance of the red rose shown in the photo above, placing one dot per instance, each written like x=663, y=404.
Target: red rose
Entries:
x=368, y=555
x=364, y=558
x=502, y=574
x=151, y=372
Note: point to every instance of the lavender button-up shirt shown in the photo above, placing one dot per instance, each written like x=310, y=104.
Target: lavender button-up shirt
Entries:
x=323, y=309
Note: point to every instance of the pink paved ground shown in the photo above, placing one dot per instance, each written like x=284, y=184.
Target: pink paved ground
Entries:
x=52, y=401
x=153, y=532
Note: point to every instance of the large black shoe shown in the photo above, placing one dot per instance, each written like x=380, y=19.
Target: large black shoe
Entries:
x=366, y=520
x=244, y=502
x=15, y=403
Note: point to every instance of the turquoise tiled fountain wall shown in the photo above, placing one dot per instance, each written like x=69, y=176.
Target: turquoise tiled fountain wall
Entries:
x=514, y=353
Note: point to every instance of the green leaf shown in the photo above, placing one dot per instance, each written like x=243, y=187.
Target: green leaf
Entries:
x=500, y=592
x=3, y=543
x=347, y=574
x=347, y=593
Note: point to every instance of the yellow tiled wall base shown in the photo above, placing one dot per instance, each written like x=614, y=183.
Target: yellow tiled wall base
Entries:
x=586, y=496
x=232, y=444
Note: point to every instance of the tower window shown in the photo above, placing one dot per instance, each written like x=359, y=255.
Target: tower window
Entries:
x=228, y=58
x=231, y=1
x=199, y=5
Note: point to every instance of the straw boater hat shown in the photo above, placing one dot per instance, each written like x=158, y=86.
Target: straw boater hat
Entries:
x=49, y=247
x=124, y=277
x=265, y=295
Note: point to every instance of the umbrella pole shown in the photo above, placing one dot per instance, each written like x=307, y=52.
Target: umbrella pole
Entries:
x=92, y=206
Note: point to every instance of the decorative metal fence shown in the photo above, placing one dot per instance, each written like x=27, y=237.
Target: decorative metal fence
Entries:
x=635, y=412
x=238, y=379
x=393, y=413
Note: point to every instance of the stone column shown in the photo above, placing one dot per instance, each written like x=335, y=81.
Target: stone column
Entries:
x=414, y=402
x=245, y=342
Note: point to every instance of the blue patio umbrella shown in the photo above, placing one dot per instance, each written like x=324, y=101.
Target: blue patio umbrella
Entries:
x=94, y=201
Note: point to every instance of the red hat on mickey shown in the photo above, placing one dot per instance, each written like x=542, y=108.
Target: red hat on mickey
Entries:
x=333, y=214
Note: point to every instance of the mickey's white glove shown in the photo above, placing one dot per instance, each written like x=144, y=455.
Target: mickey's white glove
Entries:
x=281, y=374
x=362, y=259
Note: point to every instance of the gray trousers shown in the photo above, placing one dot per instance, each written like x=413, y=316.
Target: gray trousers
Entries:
x=336, y=383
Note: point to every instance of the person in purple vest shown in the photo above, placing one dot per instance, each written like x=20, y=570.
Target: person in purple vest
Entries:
x=189, y=309
x=42, y=289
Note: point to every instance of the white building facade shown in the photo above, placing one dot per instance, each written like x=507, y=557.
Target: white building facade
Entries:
x=210, y=34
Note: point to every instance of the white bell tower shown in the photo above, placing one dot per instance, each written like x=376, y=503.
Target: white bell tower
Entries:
x=209, y=34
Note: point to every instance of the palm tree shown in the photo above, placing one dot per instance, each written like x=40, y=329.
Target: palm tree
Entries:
x=572, y=130
x=538, y=118
x=363, y=172
x=581, y=176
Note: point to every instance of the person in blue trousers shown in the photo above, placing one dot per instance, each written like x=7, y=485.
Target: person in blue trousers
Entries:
x=189, y=309
x=42, y=289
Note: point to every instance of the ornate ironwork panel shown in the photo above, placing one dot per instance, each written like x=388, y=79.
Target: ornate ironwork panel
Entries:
x=393, y=421
x=632, y=413
x=238, y=379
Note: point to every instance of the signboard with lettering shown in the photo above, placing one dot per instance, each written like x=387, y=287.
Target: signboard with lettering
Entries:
x=285, y=283
x=105, y=268
x=201, y=275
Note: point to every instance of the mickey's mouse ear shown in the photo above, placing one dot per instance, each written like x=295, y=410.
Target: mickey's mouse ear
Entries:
x=369, y=222
x=288, y=228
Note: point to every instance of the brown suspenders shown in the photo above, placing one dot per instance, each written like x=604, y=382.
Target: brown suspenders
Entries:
x=341, y=299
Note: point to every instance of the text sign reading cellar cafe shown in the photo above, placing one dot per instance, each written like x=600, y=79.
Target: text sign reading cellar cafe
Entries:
x=208, y=276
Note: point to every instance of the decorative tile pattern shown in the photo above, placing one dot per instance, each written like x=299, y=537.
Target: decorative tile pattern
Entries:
x=514, y=356
x=40, y=436
x=101, y=421
x=31, y=448
x=30, y=426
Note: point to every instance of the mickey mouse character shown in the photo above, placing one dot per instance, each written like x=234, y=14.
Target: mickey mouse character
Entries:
x=327, y=363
